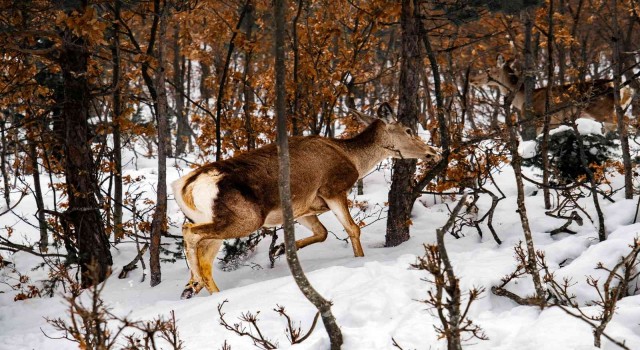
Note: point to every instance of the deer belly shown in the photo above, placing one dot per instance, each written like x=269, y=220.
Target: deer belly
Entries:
x=314, y=207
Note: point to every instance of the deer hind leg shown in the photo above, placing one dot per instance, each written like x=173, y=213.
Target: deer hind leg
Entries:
x=195, y=283
x=319, y=231
x=202, y=242
x=340, y=208
x=317, y=228
x=207, y=250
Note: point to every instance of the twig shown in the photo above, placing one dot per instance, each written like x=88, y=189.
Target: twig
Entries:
x=132, y=265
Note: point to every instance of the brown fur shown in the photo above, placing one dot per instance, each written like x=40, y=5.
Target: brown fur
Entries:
x=187, y=194
x=323, y=171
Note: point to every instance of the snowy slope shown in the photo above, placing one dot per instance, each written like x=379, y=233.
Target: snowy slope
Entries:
x=376, y=298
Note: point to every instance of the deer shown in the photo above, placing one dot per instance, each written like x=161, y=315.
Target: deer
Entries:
x=234, y=197
x=594, y=97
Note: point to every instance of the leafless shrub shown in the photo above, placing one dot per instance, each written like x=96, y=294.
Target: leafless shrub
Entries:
x=523, y=269
x=295, y=335
x=93, y=326
x=617, y=285
x=567, y=209
x=446, y=297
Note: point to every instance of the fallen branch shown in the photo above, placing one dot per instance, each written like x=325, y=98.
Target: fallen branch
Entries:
x=132, y=265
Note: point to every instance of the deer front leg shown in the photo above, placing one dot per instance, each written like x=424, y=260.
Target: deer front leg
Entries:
x=340, y=208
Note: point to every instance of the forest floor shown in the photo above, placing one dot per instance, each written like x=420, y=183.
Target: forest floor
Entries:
x=375, y=298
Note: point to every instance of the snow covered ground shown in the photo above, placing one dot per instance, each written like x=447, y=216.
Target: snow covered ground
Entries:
x=376, y=298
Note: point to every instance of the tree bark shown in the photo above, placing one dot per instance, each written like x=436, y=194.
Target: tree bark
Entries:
x=622, y=125
x=82, y=185
x=323, y=305
x=42, y=223
x=295, y=116
x=159, y=223
x=223, y=81
x=529, y=125
x=183, y=133
x=516, y=163
x=117, y=112
x=547, y=107
x=401, y=192
x=3, y=165
x=247, y=90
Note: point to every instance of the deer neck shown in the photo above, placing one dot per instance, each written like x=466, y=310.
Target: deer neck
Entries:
x=367, y=148
x=507, y=83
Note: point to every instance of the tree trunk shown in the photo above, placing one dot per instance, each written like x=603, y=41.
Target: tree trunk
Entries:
x=183, y=133
x=323, y=305
x=42, y=223
x=117, y=146
x=516, y=162
x=295, y=116
x=528, y=116
x=82, y=185
x=622, y=125
x=223, y=81
x=547, y=107
x=159, y=223
x=247, y=90
x=3, y=165
x=401, y=192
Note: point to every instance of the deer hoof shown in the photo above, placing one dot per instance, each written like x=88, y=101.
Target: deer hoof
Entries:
x=278, y=250
x=189, y=291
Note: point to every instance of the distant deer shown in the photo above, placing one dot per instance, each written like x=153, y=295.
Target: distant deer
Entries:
x=235, y=197
x=595, y=97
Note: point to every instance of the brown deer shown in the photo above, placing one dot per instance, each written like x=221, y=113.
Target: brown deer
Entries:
x=593, y=98
x=234, y=197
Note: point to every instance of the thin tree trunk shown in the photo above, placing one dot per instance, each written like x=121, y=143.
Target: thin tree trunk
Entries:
x=516, y=163
x=529, y=125
x=443, y=125
x=323, y=305
x=401, y=192
x=183, y=133
x=296, y=80
x=622, y=125
x=187, y=109
x=547, y=107
x=42, y=223
x=159, y=223
x=82, y=185
x=454, y=339
x=3, y=165
x=223, y=81
x=117, y=143
x=247, y=90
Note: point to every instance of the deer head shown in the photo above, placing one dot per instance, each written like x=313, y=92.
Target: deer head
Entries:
x=401, y=141
x=503, y=75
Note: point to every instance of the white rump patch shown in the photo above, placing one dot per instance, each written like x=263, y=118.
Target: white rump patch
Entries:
x=204, y=190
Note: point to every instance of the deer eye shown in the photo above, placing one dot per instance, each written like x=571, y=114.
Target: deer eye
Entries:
x=409, y=131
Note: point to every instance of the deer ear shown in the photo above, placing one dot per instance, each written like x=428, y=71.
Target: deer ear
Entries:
x=515, y=65
x=386, y=113
x=500, y=61
x=365, y=119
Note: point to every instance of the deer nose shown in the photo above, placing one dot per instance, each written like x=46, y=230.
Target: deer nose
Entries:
x=434, y=158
